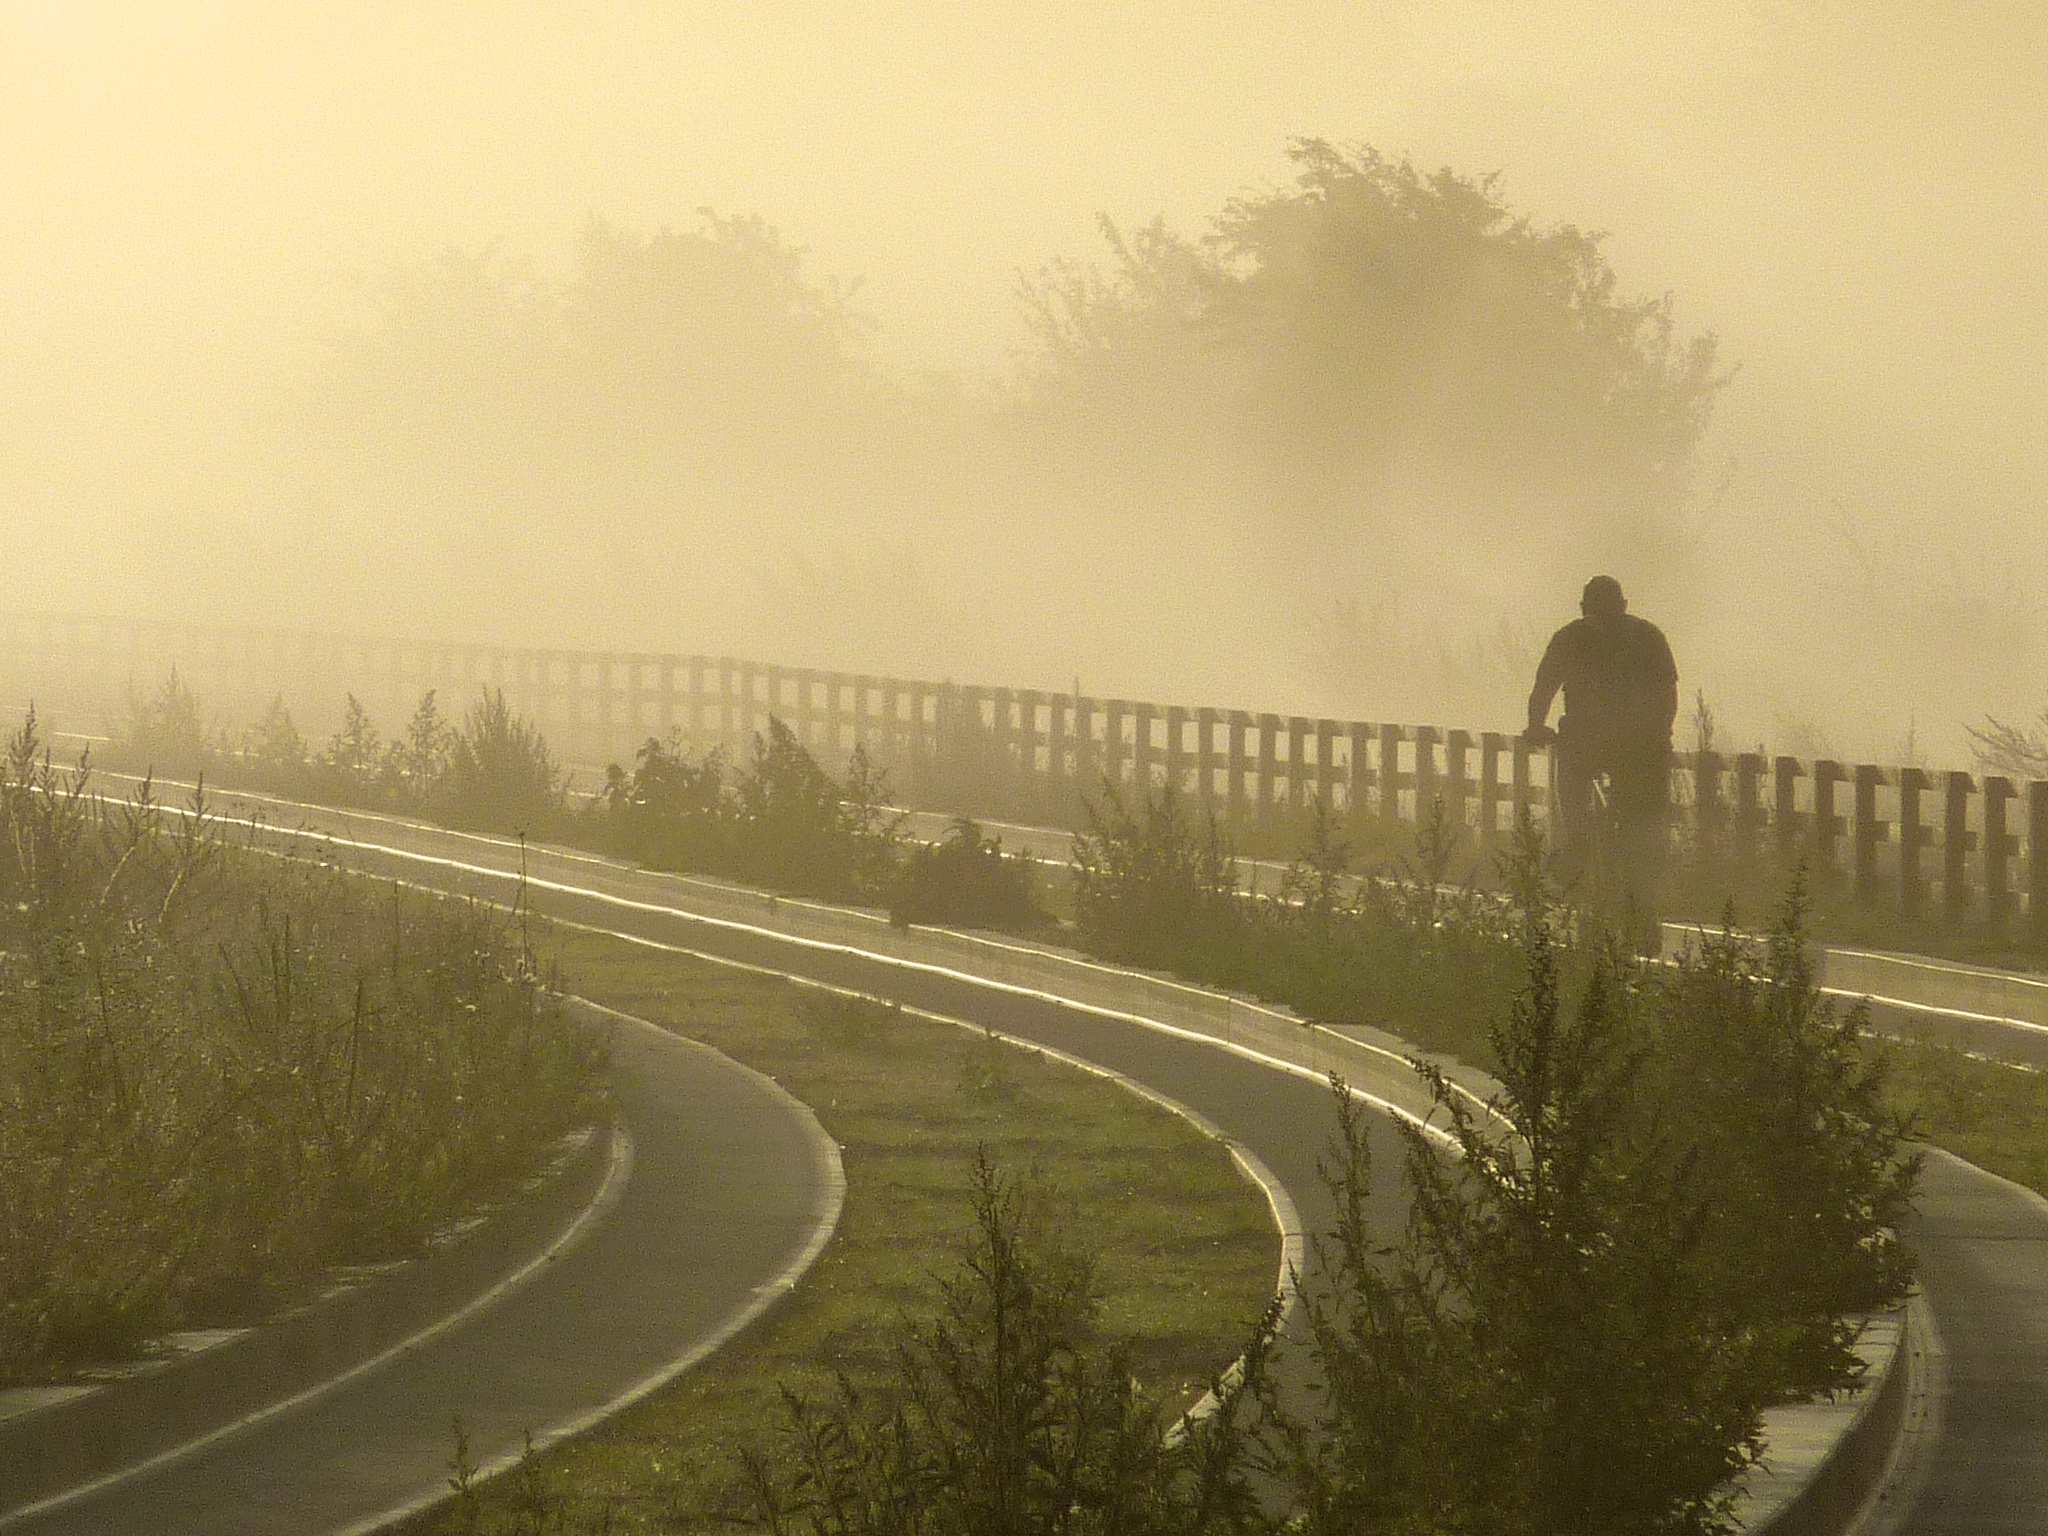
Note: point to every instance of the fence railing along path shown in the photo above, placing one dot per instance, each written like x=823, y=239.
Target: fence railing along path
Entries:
x=1946, y=845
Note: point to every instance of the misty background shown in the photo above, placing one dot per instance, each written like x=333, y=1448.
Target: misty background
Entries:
x=1001, y=343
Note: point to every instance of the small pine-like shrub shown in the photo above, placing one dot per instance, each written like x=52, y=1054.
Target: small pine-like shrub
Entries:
x=967, y=881
x=500, y=775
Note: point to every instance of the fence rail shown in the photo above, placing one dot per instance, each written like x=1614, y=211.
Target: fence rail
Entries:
x=1938, y=845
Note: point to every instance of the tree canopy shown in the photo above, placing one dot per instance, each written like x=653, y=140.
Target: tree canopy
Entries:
x=1374, y=339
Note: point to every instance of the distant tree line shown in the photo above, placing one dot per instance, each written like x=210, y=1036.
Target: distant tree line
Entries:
x=1370, y=371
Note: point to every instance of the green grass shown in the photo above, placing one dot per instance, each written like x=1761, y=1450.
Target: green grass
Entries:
x=1986, y=1112
x=1188, y=1253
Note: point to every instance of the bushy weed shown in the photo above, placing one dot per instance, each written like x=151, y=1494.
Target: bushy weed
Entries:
x=778, y=820
x=967, y=881
x=222, y=1072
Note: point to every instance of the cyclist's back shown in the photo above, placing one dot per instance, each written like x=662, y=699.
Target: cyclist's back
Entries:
x=1620, y=687
x=1619, y=682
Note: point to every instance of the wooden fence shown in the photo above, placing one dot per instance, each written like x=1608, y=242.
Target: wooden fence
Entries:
x=1938, y=845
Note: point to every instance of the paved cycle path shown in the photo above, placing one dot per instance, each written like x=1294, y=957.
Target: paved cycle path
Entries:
x=1983, y=1246
x=731, y=1185
x=1983, y=1242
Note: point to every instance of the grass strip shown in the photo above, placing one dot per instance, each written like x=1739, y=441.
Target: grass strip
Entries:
x=1991, y=1113
x=1188, y=1251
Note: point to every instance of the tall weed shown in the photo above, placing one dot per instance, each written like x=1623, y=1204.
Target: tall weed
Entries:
x=222, y=1072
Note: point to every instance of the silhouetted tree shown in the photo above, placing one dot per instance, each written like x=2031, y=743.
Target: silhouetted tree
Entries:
x=501, y=776
x=1382, y=343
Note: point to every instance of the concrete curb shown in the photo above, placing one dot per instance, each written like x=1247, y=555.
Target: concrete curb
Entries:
x=1849, y=1444
x=53, y=1453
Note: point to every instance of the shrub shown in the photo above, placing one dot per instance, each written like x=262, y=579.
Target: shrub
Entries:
x=417, y=765
x=800, y=830
x=221, y=1072
x=500, y=775
x=1010, y=1415
x=669, y=812
x=1401, y=950
x=1683, y=1185
x=1782, y=1106
x=165, y=733
x=780, y=821
x=347, y=770
x=1536, y=1353
x=967, y=881
x=1153, y=888
x=272, y=751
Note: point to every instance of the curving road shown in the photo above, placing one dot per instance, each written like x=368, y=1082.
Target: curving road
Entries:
x=1983, y=1242
x=683, y=1259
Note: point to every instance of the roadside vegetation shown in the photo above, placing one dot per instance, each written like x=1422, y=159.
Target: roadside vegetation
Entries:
x=1684, y=1186
x=222, y=1073
x=778, y=820
x=490, y=770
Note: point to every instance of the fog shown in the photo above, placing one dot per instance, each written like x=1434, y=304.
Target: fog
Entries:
x=363, y=318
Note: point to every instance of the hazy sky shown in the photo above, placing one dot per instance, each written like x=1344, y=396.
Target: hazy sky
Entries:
x=1850, y=195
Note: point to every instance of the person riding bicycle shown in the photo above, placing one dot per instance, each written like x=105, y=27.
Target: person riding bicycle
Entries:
x=1620, y=688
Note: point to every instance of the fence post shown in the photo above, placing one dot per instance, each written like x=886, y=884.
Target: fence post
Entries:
x=1999, y=847
x=1063, y=754
x=1426, y=790
x=1011, y=747
x=732, y=734
x=976, y=750
x=1269, y=766
x=1490, y=744
x=1827, y=825
x=625, y=740
x=1785, y=809
x=1390, y=773
x=1142, y=753
x=753, y=717
x=1299, y=792
x=665, y=698
x=1113, y=713
x=1913, y=836
x=693, y=700
x=1086, y=754
x=1956, y=843
x=2037, y=860
x=1749, y=811
x=1869, y=831
x=1177, y=748
x=1239, y=763
x=1326, y=765
x=1205, y=758
x=1359, y=796
x=1706, y=805
x=1030, y=786
x=1457, y=777
x=1524, y=784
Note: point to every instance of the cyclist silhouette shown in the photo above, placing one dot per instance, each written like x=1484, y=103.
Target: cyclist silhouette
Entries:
x=1613, y=744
